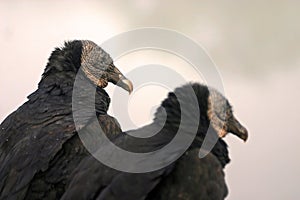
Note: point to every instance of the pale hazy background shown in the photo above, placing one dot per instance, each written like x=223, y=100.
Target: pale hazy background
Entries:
x=255, y=44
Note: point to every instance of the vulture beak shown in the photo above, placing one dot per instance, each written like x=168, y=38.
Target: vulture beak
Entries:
x=234, y=127
x=125, y=84
x=117, y=78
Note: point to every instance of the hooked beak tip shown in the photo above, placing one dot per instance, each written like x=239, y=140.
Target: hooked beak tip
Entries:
x=244, y=135
x=126, y=84
x=237, y=129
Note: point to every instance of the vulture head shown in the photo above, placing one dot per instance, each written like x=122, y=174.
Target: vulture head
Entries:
x=99, y=67
x=215, y=111
x=222, y=118
x=87, y=56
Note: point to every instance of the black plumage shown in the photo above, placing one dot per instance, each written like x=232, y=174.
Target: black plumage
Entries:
x=39, y=145
x=42, y=156
x=187, y=178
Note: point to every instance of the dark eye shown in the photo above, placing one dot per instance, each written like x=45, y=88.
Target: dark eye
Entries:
x=229, y=113
x=110, y=68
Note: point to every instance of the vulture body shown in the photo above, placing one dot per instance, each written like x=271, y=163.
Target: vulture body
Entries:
x=187, y=178
x=39, y=145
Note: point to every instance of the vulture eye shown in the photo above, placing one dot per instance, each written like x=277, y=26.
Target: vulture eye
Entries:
x=229, y=113
x=110, y=68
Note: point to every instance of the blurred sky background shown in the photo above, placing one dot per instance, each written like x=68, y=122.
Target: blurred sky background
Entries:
x=255, y=44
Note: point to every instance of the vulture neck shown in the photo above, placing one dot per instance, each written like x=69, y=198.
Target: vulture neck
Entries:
x=169, y=114
x=92, y=99
x=57, y=84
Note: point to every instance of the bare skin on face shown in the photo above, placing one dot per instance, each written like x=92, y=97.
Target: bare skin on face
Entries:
x=99, y=68
x=222, y=118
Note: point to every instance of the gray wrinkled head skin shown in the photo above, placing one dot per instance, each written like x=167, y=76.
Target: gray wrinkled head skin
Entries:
x=221, y=116
x=98, y=66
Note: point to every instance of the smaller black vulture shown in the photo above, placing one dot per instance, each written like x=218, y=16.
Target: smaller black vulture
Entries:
x=188, y=178
x=39, y=145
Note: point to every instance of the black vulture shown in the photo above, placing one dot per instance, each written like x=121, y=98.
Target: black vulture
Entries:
x=42, y=156
x=39, y=145
x=189, y=177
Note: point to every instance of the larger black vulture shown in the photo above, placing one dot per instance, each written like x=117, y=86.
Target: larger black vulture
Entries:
x=39, y=145
x=189, y=178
